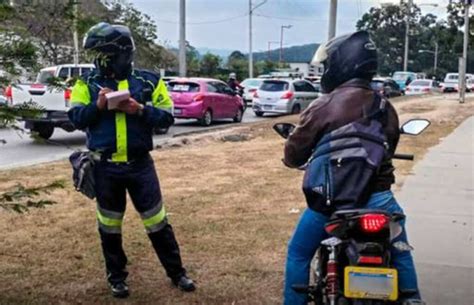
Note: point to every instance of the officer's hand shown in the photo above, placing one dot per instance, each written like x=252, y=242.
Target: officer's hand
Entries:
x=130, y=107
x=102, y=101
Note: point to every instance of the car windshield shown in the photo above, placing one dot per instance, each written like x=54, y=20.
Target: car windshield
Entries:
x=453, y=77
x=45, y=76
x=251, y=82
x=183, y=87
x=376, y=85
x=421, y=83
x=274, y=86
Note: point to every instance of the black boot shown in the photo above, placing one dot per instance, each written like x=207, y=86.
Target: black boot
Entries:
x=184, y=283
x=119, y=289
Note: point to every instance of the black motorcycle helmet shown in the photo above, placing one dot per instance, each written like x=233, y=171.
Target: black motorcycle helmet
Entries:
x=114, y=49
x=346, y=57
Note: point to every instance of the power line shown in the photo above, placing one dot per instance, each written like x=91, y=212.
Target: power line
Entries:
x=203, y=22
x=303, y=19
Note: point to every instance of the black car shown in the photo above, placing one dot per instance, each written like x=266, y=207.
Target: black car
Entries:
x=386, y=87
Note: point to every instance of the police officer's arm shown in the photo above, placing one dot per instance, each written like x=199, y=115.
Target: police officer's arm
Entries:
x=160, y=114
x=84, y=112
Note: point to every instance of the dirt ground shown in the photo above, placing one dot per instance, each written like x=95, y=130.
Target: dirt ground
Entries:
x=229, y=203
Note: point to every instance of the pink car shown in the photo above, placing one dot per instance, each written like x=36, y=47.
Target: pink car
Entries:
x=205, y=99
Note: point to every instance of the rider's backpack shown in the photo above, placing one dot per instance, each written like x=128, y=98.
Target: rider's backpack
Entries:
x=340, y=170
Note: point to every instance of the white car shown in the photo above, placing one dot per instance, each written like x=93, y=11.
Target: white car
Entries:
x=283, y=96
x=55, y=101
x=422, y=86
x=250, y=87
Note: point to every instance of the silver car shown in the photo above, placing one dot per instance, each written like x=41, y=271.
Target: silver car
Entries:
x=283, y=96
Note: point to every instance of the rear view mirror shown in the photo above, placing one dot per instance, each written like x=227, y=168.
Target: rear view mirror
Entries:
x=415, y=127
x=284, y=129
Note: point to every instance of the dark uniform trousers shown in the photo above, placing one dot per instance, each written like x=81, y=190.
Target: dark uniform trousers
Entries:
x=140, y=180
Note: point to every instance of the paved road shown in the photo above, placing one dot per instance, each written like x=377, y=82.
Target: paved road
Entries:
x=439, y=202
x=21, y=150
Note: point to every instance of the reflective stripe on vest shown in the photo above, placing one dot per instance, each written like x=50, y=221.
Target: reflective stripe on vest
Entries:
x=121, y=130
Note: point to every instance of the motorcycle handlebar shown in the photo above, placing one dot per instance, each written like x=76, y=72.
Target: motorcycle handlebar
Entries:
x=404, y=157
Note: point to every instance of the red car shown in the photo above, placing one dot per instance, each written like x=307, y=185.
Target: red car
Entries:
x=205, y=99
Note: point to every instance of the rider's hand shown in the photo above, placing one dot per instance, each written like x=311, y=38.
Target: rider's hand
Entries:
x=102, y=100
x=131, y=106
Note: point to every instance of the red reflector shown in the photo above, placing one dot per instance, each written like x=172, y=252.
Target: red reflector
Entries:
x=370, y=260
x=67, y=94
x=8, y=91
x=330, y=228
x=287, y=95
x=372, y=223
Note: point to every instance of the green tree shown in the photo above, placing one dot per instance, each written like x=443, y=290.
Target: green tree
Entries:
x=387, y=26
x=238, y=64
x=149, y=54
x=210, y=64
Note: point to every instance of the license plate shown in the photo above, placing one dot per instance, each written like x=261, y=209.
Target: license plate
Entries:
x=371, y=283
x=267, y=107
x=177, y=111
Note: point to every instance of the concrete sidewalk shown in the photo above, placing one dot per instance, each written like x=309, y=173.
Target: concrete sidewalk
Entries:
x=439, y=202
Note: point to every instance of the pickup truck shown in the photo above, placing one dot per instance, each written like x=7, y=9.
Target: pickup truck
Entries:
x=54, y=101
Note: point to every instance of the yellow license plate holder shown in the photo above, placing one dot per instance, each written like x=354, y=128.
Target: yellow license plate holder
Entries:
x=370, y=283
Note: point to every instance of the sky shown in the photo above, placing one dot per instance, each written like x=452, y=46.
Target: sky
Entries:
x=223, y=24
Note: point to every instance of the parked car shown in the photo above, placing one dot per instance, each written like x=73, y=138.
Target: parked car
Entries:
x=451, y=82
x=402, y=78
x=422, y=86
x=386, y=86
x=54, y=101
x=205, y=99
x=317, y=86
x=283, y=96
x=250, y=86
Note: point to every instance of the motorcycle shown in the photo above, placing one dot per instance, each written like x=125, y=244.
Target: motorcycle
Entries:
x=353, y=266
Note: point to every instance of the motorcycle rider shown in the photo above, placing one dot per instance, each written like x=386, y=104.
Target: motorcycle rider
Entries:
x=350, y=62
x=121, y=140
x=233, y=83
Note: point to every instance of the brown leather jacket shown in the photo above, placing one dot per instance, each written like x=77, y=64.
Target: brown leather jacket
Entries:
x=347, y=103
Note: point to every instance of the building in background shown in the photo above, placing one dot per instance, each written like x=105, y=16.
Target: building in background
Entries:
x=307, y=69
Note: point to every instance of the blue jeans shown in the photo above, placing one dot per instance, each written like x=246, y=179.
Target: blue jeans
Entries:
x=308, y=236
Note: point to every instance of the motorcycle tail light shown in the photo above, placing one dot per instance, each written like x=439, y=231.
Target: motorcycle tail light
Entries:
x=373, y=223
x=375, y=260
x=9, y=94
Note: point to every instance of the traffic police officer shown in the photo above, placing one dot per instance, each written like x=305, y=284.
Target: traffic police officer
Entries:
x=122, y=139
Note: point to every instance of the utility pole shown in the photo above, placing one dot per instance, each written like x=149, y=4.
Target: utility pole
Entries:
x=251, y=9
x=332, y=19
x=407, y=35
x=281, y=40
x=182, y=38
x=462, y=73
x=269, y=49
x=75, y=37
x=436, y=57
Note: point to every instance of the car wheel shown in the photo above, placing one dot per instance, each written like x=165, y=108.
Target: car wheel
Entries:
x=296, y=109
x=206, y=119
x=238, y=116
x=258, y=113
x=43, y=131
x=158, y=130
